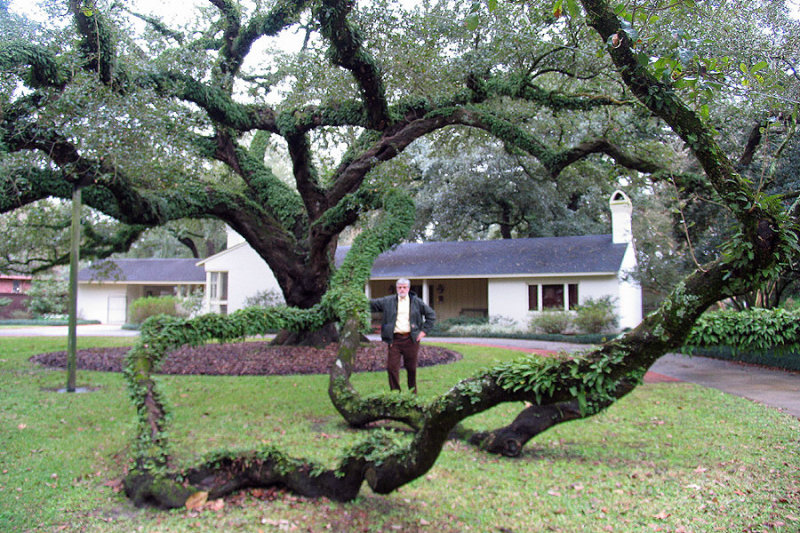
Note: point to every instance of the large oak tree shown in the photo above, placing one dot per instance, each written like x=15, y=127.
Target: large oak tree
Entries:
x=557, y=389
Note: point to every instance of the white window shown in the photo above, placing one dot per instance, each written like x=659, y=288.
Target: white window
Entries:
x=551, y=296
x=218, y=292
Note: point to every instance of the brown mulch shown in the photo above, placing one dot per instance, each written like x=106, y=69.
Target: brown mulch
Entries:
x=246, y=358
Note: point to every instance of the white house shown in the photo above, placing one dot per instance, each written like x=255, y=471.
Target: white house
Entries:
x=107, y=288
x=511, y=278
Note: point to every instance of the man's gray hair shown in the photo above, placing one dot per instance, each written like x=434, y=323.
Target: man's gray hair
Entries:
x=402, y=281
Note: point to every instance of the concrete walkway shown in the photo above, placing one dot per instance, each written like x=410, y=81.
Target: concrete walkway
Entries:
x=775, y=388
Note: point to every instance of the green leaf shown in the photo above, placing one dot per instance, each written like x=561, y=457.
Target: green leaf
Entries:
x=472, y=22
x=573, y=9
x=761, y=65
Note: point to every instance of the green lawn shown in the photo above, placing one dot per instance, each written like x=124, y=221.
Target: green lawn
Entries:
x=669, y=457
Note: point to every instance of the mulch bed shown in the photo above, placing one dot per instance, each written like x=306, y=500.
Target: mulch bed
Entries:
x=246, y=358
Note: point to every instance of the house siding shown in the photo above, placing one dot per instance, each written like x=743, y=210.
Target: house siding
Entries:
x=459, y=297
x=508, y=297
x=251, y=275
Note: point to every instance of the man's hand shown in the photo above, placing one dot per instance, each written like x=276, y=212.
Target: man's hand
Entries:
x=420, y=336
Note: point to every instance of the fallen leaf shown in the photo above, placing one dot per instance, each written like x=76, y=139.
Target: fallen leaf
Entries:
x=114, y=484
x=663, y=515
x=215, y=505
x=196, y=500
x=22, y=426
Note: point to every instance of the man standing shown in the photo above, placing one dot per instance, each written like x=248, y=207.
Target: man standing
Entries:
x=406, y=321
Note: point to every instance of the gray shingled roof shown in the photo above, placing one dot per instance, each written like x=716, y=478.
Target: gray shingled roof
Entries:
x=145, y=271
x=548, y=255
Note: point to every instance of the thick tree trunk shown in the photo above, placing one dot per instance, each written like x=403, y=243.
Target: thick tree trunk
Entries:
x=303, y=289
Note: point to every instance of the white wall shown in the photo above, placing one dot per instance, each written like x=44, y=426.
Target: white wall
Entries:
x=508, y=297
x=101, y=301
x=247, y=275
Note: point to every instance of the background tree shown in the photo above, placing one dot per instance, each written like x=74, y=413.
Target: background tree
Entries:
x=480, y=191
x=198, y=238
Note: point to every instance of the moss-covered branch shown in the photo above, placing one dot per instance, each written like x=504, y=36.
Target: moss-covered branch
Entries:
x=347, y=51
x=151, y=479
x=45, y=70
x=98, y=44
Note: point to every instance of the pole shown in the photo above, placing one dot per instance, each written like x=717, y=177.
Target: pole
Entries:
x=72, y=328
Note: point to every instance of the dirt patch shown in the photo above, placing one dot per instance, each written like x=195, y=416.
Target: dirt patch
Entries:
x=246, y=358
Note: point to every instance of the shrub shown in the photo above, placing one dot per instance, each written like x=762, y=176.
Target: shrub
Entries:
x=495, y=325
x=550, y=321
x=444, y=326
x=268, y=298
x=791, y=305
x=144, y=308
x=750, y=330
x=190, y=304
x=47, y=296
x=596, y=316
x=4, y=301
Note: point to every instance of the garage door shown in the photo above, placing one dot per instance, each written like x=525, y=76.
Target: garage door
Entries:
x=117, y=306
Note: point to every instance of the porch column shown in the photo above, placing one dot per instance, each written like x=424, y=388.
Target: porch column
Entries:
x=426, y=296
x=540, y=296
x=367, y=290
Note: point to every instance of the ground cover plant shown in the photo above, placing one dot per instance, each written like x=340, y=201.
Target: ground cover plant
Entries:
x=668, y=456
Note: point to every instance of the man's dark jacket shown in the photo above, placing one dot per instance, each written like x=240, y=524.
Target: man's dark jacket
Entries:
x=421, y=315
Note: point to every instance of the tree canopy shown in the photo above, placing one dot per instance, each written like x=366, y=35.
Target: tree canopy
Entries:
x=159, y=123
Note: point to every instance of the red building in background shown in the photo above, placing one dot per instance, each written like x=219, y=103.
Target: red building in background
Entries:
x=14, y=288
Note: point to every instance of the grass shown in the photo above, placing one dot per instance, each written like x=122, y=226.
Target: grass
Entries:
x=668, y=457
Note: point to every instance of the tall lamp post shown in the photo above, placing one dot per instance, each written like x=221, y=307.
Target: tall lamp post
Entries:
x=72, y=333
